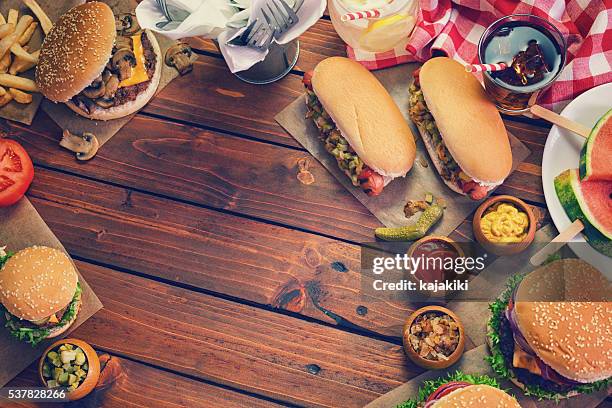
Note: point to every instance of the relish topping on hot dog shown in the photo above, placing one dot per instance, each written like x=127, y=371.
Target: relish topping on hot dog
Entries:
x=360, y=174
x=421, y=116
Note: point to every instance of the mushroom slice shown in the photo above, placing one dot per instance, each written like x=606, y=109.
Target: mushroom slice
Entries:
x=105, y=103
x=123, y=61
x=84, y=103
x=127, y=24
x=85, y=146
x=95, y=90
x=179, y=57
x=111, y=86
x=123, y=42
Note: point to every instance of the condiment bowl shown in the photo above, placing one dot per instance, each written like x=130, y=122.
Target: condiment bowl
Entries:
x=414, y=355
x=93, y=372
x=498, y=248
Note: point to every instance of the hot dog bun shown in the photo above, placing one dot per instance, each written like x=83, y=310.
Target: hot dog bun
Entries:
x=366, y=115
x=470, y=125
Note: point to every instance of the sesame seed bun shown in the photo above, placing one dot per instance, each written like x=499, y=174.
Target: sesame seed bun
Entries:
x=141, y=100
x=563, y=310
x=75, y=51
x=37, y=282
x=481, y=395
x=470, y=125
x=366, y=115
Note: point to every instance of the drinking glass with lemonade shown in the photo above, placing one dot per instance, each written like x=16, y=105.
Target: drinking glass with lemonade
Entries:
x=394, y=22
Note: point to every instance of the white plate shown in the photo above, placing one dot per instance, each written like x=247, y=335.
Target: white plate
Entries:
x=562, y=152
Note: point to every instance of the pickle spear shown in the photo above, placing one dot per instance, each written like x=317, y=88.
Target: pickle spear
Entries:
x=428, y=219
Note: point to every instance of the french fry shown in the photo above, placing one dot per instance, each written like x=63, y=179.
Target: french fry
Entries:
x=6, y=43
x=5, y=99
x=2, y=20
x=23, y=54
x=20, y=96
x=6, y=29
x=2, y=91
x=13, y=15
x=27, y=34
x=45, y=22
x=23, y=84
x=20, y=65
x=5, y=63
x=23, y=24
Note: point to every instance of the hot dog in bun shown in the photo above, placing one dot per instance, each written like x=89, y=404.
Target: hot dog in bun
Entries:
x=360, y=123
x=461, y=128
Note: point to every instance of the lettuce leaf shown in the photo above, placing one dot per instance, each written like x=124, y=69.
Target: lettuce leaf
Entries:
x=430, y=386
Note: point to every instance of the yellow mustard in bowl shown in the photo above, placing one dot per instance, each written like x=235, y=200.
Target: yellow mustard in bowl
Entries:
x=505, y=224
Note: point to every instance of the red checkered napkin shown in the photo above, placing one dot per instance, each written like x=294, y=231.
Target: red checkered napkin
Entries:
x=454, y=28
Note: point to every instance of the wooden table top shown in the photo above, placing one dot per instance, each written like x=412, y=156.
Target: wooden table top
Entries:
x=214, y=263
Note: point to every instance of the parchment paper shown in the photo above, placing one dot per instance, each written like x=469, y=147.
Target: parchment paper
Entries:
x=21, y=227
x=388, y=207
x=54, y=9
x=104, y=130
x=473, y=362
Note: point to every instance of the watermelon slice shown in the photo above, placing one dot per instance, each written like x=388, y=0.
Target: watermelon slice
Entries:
x=591, y=203
x=596, y=154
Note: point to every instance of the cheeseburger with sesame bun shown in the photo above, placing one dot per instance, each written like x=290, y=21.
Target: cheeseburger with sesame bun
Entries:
x=99, y=73
x=550, y=330
x=40, y=293
x=461, y=390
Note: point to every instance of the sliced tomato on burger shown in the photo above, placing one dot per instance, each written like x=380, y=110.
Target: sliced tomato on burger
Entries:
x=16, y=172
x=446, y=389
x=307, y=80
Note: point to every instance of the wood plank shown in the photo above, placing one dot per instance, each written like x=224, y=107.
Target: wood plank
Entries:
x=212, y=96
x=227, y=173
x=248, y=348
x=212, y=169
x=145, y=386
x=262, y=263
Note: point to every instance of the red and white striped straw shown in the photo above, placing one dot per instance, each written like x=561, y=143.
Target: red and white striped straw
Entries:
x=358, y=15
x=486, y=67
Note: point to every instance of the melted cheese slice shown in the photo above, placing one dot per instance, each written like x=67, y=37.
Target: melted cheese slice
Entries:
x=139, y=72
x=520, y=359
x=53, y=319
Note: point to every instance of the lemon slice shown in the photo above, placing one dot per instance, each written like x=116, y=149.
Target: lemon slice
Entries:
x=386, y=33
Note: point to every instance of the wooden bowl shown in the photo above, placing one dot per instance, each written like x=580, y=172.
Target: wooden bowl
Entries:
x=433, y=364
x=504, y=248
x=93, y=374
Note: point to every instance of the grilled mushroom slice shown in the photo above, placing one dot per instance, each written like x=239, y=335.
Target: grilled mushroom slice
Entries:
x=111, y=86
x=123, y=42
x=85, y=146
x=95, y=90
x=179, y=57
x=105, y=103
x=84, y=103
x=127, y=24
x=123, y=61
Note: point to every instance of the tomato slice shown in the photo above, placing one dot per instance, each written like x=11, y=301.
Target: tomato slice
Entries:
x=16, y=172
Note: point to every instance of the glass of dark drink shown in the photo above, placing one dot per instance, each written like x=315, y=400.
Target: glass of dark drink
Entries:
x=534, y=51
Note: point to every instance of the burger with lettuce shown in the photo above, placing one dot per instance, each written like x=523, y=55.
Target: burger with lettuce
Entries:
x=39, y=292
x=461, y=390
x=550, y=331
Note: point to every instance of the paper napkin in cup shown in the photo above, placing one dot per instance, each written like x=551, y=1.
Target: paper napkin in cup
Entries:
x=240, y=58
x=207, y=18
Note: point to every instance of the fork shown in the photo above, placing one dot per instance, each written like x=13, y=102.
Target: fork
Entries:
x=281, y=21
x=256, y=35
